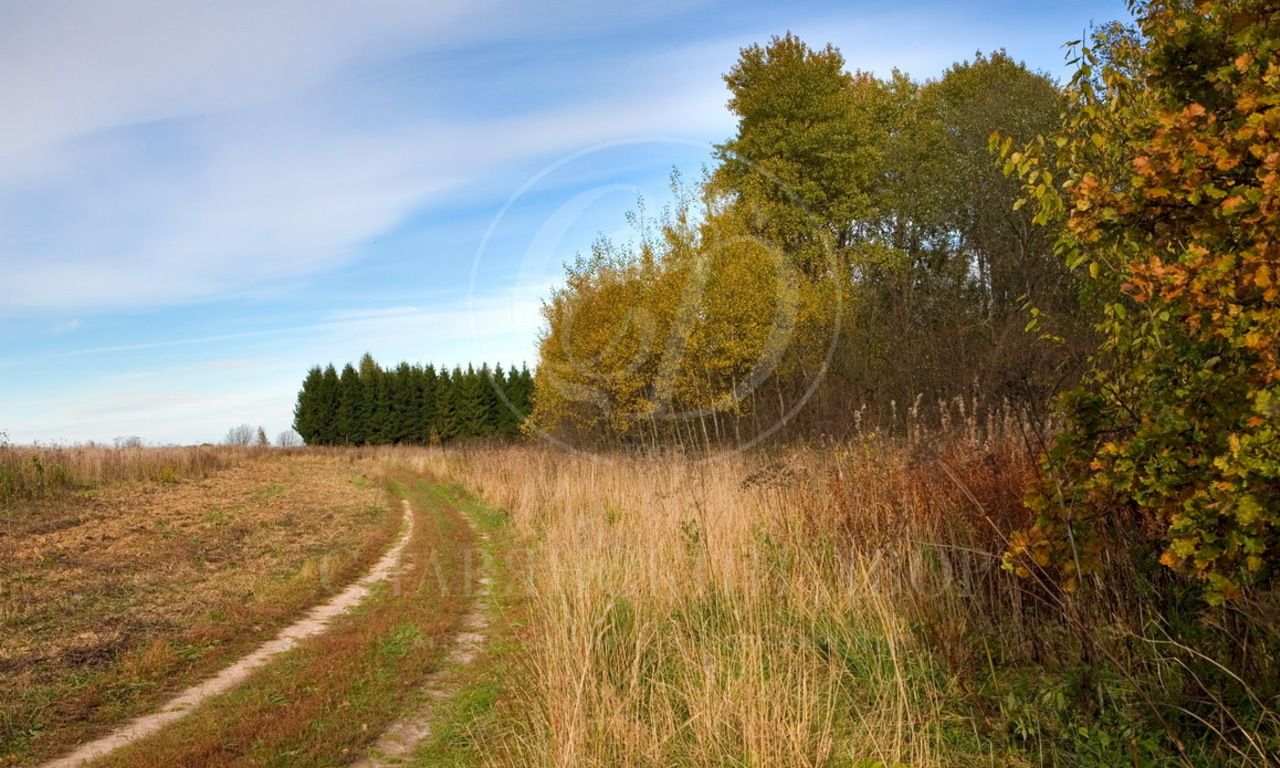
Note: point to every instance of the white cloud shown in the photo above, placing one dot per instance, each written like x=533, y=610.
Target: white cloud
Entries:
x=73, y=68
x=158, y=153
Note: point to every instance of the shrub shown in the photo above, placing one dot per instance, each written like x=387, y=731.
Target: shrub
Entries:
x=1167, y=178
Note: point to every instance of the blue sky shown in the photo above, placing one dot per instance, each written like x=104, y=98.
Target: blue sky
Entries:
x=198, y=201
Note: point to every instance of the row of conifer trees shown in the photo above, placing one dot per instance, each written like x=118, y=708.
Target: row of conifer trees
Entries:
x=366, y=404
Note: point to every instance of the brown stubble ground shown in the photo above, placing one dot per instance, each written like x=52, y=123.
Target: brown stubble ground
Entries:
x=112, y=599
x=326, y=701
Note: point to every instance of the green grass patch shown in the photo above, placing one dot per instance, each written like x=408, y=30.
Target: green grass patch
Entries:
x=467, y=724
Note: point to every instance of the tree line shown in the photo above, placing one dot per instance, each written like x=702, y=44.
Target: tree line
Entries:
x=872, y=242
x=855, y=246
x=863, y=244
x=367, y=404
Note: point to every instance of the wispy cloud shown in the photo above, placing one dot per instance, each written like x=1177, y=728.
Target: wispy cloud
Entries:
x=157, y=153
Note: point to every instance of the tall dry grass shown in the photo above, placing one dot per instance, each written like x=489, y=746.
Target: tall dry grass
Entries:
x=833, y=605
x=751, y=610
x=34, y=472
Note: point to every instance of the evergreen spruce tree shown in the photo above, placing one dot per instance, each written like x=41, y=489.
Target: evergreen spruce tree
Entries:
x=367, y=404
x=377, y=410
x=492, y=407
x=446, y=421
x=520, y=391
x=381, y=408
x=327, y=407
x=470, y=404
x=406, y=403
x=352, y=416
x=306, y=414
x=426, y=426
x=506, y=422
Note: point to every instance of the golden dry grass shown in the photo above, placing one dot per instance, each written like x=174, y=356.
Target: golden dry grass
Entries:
x=839, y=605
x=718, y=613
x=114, y=597
x=842, y=605
x=33, y=472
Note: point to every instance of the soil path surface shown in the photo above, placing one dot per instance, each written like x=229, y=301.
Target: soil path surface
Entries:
x=312, y=623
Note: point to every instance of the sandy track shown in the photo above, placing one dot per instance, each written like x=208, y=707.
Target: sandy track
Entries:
x=313, y=623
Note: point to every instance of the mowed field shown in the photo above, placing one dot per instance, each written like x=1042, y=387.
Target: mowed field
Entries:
x=117, y=594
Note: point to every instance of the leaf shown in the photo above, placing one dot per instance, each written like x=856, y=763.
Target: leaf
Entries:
x=1234, y=204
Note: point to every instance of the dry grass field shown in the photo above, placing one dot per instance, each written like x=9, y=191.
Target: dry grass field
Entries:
x=917, y=420
x=749, y=611
x=839, y=605
x=134, y=576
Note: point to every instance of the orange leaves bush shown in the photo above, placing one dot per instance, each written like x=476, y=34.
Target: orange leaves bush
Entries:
x=1165, y=181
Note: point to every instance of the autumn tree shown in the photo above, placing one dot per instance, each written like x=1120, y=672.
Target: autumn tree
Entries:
x=962, y=270
x=855, y=245
x=804, y=158
x=600, y=349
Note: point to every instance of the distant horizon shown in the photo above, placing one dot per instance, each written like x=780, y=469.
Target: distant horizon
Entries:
x=196, y=207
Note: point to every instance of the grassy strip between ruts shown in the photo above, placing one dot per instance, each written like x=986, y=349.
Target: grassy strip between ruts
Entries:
x=323, y=702
x=467, y=726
